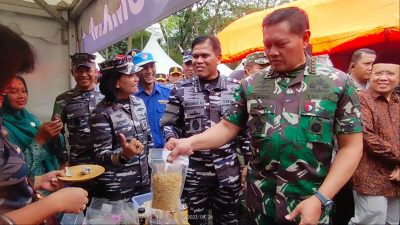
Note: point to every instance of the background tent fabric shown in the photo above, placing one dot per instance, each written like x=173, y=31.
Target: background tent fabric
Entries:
x=338, y=27
x=224, y=69
x=105, y=22
x=164, y=62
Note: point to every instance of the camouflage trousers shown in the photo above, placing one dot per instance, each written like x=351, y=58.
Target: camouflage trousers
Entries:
x=223, y=201
x=258, y=218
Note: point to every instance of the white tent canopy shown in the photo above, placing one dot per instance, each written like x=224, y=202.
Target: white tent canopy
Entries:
x=164, y=62
x=224, y=69
x=240, y=66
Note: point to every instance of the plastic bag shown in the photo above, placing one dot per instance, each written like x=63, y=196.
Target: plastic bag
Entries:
x=129, y=214
x=102, y=211
x=167, y=179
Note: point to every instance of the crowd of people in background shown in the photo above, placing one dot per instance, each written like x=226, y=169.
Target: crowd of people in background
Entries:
x=299, y=140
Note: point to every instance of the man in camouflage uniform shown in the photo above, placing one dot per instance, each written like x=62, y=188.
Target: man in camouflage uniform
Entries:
x=73, y=107
x=213, y=177
x=293, y=111
x=187, y=65
x=255, y=62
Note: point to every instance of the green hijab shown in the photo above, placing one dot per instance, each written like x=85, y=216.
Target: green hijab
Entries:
x=22, y=128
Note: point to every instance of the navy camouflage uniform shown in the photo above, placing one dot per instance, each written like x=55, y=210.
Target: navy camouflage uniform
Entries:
x=74, y=108
x=123, y=179
x=15, y=192
x=213, y=177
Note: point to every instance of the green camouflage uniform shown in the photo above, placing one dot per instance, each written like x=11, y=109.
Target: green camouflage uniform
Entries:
x=292, y=118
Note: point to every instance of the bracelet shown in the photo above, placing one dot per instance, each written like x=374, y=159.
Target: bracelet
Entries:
x=6, y=220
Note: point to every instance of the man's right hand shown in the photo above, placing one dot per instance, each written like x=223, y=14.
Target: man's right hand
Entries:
x=178, y=147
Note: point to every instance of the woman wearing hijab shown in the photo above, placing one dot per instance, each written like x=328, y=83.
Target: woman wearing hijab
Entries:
x=16, y=205
x=121, y=134
x=28, y=133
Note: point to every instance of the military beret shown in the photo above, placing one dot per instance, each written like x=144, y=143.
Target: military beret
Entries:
x=83, y=59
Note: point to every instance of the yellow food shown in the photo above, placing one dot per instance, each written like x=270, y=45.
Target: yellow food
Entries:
x=166, y=189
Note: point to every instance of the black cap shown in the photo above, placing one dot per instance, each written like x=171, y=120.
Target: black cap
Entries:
x=175, y=69
x=187, y=56
x=388, y=57
x=83, y=59
x=119, y=65
x=160, y=77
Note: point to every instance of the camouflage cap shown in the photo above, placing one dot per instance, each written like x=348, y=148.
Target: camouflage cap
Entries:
x=174, y=70
x=160, y=77
x=187, y=56
x=256, y=57
x=83, y=59
x=119, y=65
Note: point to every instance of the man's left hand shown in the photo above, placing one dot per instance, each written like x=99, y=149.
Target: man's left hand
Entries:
x=49, y=181
x=309, y=211
x=395, y=175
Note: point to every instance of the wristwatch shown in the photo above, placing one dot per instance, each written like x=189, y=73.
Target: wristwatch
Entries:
x=327, y=204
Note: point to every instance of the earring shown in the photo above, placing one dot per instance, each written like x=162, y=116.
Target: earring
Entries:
x=117, y=86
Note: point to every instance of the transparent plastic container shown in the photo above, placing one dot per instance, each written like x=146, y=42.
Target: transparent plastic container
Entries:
x=102, y=212
x=140, y=199
x=72, y=219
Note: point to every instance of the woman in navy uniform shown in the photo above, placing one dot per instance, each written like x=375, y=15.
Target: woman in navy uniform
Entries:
x=121, y=134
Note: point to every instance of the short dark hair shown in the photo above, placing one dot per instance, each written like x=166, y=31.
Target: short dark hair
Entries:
x=215, y=44
x=296, y=17
x=356, y=56
x=17, y=55
x=107, y=85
